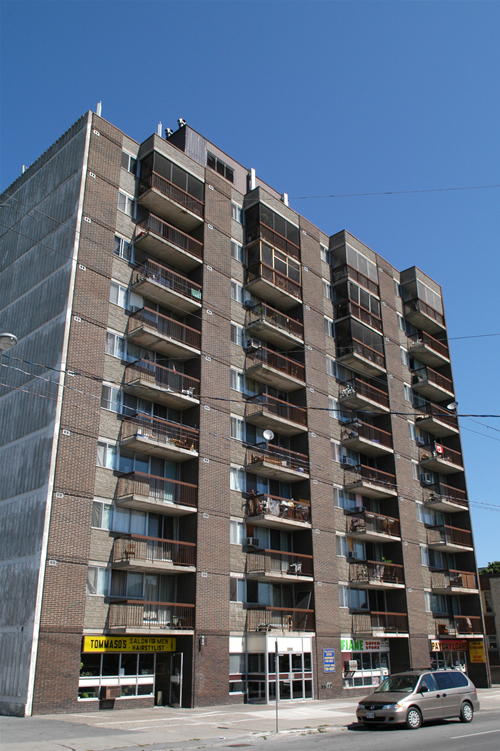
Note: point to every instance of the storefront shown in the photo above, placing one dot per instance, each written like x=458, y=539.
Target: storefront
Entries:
x=121, y=667
x=459, y=654
x=365, y=661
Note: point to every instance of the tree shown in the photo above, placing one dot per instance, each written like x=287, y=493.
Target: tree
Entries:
x=492, y=568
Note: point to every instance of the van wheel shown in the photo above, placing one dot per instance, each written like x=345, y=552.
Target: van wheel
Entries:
x=466, y=713
x=413, y=719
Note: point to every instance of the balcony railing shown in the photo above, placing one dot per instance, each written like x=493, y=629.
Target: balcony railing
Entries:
x=376, y=571
x=282, y=508
x=171, y=234
x=277, y=407
x=354, y=347
x=276, y=360
x=278, y=562
x=358, y=387
x=274, y=317
x=168, y=279
x=423, y=338
x=418, y=306
x=453, y=625
x=165, y=326
x=427, y=374
x=279, y=456
x=153, y=549
x=359, y=429
x=359, y=522
x=347, y=272
x=363, y=623
x=263, y=271
x=262, y=618
x=362, y=473
x=448, y=579
x=162, y=431
x=158, y=489
x=438, y=451
x=449, y=535
x=278, y=241
x=432, y=410
x=166, y=378
x=350, y=308
x=447, y=492
x=157, y=182
x=142, y=614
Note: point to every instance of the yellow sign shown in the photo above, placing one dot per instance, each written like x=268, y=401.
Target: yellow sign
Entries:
x=476, y=651
x=129, y=644
x=448, y=645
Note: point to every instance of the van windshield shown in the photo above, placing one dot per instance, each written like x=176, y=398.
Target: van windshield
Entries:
x=403, y=684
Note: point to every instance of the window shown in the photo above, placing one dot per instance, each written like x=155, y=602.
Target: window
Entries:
x=239, y=382
x=492, y=640
x=424, y=555
x=397, y=288
x=336, y=451
x=125, y=204
x=401, y=321
x=122, y=248
x=341, y=543
x=358, y=599
x=327, y=289
x=329, y=330
x=237, y=531
x=237, y=336
x=413, y=431
x=127, y=584
x=237, y=428
x=111, y=398
x=129, y=163
x=343, y=499
x=106, y=455
x=414, y=469
x=237, y=479
x=97, y=581
x=405, y=357
x=118, y=294
x=237, y=251
x=335, y=411
x=236, y=591
x=236, y=291
x=427, y=602
x=115, y=345
x=101, y=515
x=488, y=601
x=323, y=252
x=236, y=213
x=407, y=391
x=343, y=596
x=219, y=166
x=330, y=366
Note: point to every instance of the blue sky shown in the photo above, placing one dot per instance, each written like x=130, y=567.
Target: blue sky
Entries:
x=321, y=98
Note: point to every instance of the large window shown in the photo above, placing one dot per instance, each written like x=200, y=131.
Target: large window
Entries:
x=122, y=248
x=284, y=264
x=129, y=163
x=132, y=672
x=219, y=166
x=125, y=204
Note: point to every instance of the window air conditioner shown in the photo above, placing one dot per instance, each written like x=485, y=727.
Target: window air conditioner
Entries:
x=347, y=463
x=112, y=692
x=252, y=344
x=252, y=542
x=427, y=478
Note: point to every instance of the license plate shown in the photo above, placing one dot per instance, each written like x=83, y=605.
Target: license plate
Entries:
x=370, y=715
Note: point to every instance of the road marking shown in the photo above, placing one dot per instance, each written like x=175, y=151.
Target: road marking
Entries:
x=469, y=735
x=162, y=719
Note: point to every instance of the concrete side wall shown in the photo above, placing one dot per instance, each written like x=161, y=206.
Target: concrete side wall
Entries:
x=35, y=269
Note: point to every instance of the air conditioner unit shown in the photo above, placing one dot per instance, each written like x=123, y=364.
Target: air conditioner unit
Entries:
x=427, y=478
x=252, y=542
x=248, y=304
x=295, y=568
x=112, y=692
x=347, y=463
x=252, y=344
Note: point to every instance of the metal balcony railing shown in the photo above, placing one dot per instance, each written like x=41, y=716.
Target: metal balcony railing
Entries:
x=438, y=451
x=165, y=326
x=428, y=374
x=283, y=508
x=279, y=562
x=163, y=431
x=418, y=306
x=128, y=548
x=432, y=410
x=279, y=456
x=447, y=492
x=171, y=234
x=168, y=279
x=448, y=579
x=350, y=308
x=356, y=387
x=362, y=473
x=348, y=272
x=158, y=489
x=453, y=625
x=143, y=614
x=263, y=271
x=363, y=623
x=263, y=618
x=180, y=196
x=276, y=318
x=359, y=522
x=376, y=571
x=354, y=347
x=165, y=378
x=277, y=407
x=423, y=338
x=359, y=429
x=445, y=534
x=278, y=361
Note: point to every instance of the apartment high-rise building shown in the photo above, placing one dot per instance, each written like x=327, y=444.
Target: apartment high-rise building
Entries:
x=224, y=434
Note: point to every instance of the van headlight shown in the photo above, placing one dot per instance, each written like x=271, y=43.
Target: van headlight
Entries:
x=392, y=706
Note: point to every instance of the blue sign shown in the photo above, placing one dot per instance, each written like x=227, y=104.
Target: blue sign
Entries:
x=328, y=661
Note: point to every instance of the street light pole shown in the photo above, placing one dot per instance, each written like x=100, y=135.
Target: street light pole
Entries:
x=277, y=689
x=7, y=341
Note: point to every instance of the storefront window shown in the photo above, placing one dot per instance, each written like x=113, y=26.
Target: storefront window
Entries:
x=372, y=667
x=132, y=672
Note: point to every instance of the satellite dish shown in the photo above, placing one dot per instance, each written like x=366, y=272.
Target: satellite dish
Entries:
x=268, y=435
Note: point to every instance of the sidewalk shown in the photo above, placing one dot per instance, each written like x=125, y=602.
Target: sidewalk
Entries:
x=166, y=728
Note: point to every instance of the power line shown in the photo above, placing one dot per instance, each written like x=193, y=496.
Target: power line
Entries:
x=395, y=192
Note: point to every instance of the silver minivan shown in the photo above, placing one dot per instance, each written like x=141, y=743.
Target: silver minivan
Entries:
x=419, y=695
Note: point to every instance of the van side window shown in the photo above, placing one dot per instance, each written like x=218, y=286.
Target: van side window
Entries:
x=459, y=679
x=429, y=681
x=445, y=680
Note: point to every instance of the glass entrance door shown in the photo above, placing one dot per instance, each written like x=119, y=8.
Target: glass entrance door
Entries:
x=295, y=679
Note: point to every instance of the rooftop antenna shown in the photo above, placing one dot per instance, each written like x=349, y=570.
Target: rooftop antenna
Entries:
x=98, y=109
x=23, y=169
x=159, y=128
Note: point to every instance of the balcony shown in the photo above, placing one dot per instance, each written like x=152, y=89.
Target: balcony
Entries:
x=360, y=396
x=432, y=385
x=157, y=494
x=278, y=513
x=140, y=553
x=375, y=575
x=265, y=282
x=168, y=243
x=264, y=618
x=360, y=358
x=423, y=317
x=275, y=369
x=162, y=438
x=369, y=482
x=342, y=273
x=158, y=384
x=436, y=421
x=453, y=582
x=441, y=459
x=163, y=334
x=428, y=350
x=130, y=616
x=442, y=497
x=269, y=412
x=271, y=325
x=377, y=624
x=276, y=565
x=365, y=438
x=449, y=539
x=349, y=308
x=166, y=287
x=458, y=625
x=278, y=463
x=365, y=525
x=170, y=202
